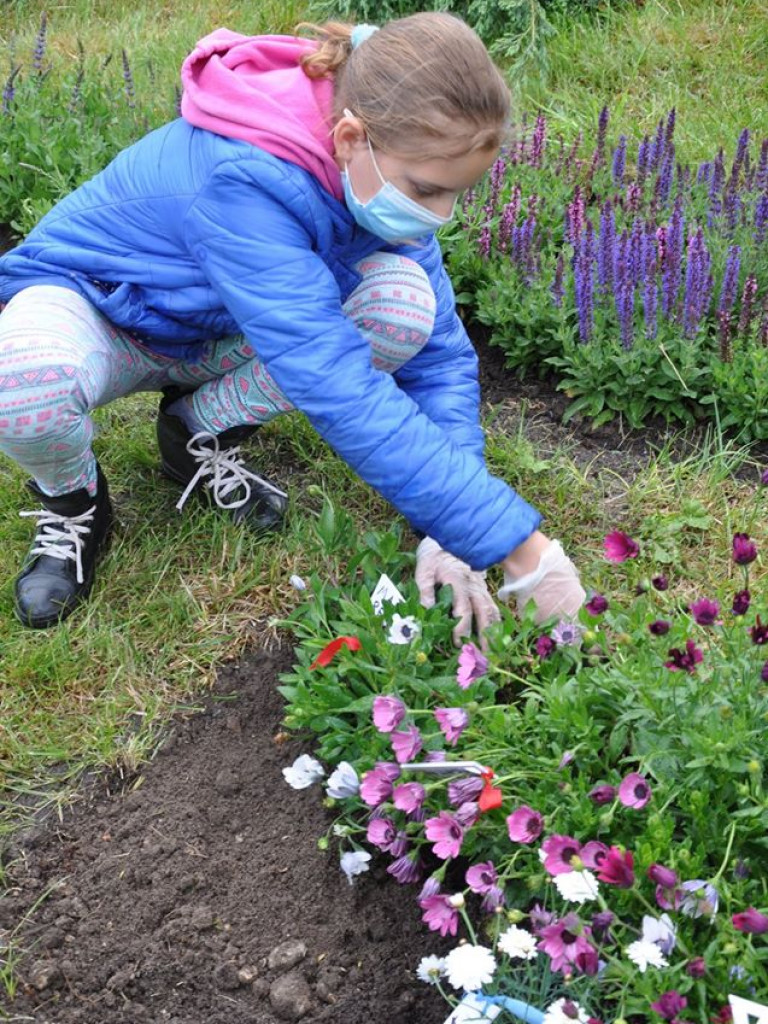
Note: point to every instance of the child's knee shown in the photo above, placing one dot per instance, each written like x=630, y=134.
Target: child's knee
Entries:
x=395, y=298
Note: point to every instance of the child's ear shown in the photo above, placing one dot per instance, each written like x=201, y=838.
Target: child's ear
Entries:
x=348, y=134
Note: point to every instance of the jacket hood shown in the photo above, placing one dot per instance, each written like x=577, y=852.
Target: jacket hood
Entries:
x=253, y=88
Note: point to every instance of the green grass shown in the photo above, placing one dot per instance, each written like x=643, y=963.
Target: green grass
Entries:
x=705, y=58
x=178, y=595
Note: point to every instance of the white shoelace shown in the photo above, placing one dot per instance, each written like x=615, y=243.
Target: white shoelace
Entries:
x=62, y=536
x=226, y=470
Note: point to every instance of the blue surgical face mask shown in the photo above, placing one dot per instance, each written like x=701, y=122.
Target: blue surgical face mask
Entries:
x=391, y=214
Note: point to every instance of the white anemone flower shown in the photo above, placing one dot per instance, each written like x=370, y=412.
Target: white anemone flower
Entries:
x=577, y=886
x=470, y=967
x=431, y=969
x=403, y=629
x=565, y=1011
x=354, y=862
x=304, y=771
x=297, y=582
x=518, y=944
x=645, y=954
x=661, y=931
x=343, y=781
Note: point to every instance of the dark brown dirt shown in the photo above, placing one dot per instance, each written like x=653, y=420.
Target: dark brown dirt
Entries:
x=153, y=896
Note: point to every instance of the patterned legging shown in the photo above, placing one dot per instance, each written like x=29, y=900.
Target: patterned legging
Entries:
x=60, y=359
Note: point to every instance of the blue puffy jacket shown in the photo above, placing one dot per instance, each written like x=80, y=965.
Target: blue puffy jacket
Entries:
x=188, y=236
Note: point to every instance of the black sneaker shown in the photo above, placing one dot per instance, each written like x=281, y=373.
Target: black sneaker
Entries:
x=72, y=532
x=211, y=465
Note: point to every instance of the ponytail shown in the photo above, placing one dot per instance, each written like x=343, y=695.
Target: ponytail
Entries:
x=333, y=50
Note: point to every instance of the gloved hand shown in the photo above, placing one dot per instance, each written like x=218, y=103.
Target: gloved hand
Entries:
x=471, y=598
x=553, y=586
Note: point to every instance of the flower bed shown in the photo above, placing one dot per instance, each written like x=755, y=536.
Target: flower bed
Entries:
x=583, y=805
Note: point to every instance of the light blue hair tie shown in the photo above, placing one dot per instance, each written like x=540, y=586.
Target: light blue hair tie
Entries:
x=360, y=33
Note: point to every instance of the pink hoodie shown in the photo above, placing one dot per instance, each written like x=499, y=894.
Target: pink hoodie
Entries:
x=252, y=88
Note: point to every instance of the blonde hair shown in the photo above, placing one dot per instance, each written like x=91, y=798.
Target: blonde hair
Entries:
x=424, y=85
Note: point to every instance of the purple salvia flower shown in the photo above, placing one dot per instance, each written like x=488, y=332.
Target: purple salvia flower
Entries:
x=584, y=282
x=177, y=99
x=508, y=219
x=731, y=208
x=9, y=90
x=636, y=247
x=484, y=241
x=665, y=178
x=761, y=174
x=643, y=160
x=716, y=187
x=498, y=173
x=741, y=158
x=74, y=96
x=730, y=280
x=673, y=261
x=571, y=158
x=704, y=172
x=557, y=290
x=698, y=283
x=619, y=162
x=634, y=197
x=605, y=248
x=602, y=131
x=669, y=131
x=130, y=90
x=748, y=296
x=650, y=289
x=575, y=219
x=538, y=142
x=761, y=218
x=657, y=148
x=40, y=44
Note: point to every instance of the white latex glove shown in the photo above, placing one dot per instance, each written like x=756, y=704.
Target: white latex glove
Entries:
x=471, y=598
x=553, y=586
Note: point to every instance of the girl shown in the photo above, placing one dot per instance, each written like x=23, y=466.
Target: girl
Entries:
x=272, y=249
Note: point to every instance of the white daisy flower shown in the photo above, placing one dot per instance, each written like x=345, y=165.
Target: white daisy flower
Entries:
x=403, y=629
x=470, y=967
x=565, y=1011
x=297, y=582
x=577, y=886
x=354, y=862
x=518, y=943
x=343, y=781
x=431, y=969
x=304, y=771
x=645, y=954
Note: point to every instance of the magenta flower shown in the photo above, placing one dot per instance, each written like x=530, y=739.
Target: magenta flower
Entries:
x=382, y=832
x=408, y=796
x=376, y=786
x=669, y=1004
x=704, y=611
x=669, y=899
x=492, y=900
x=696, y=968
x=684, y=661
x=446, y=833
x=741, y=602
x=597, y=604
x=439, y=914
x=634, y=791
x=560, y=851
x=481, y=878
x=593, y=854
x=659, y=627
x=602, y=794
x=619, y=547
x=759, y=632
x=467, y=814
x=406, y=869
x=388, y=713
x=750, y=921
x=406, y=743
x=462, y=790
x=453, y=722
x=545, y=645
x=564, y=941
x=665, y=877
x=660, y=582
x=744, y=549
x=473, y=664
x=764, y=478
x=618, y=868
x=525, y=825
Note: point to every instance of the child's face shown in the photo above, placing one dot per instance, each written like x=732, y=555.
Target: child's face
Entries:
x=434, y=182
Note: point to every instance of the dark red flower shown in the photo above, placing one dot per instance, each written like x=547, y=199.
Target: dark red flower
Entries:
x=764, y=673
x=669, y=1004
x=724, y=1015
x=704, y=611
x=759, y=632
x=696, y=968
x=660, y=582
x=659, y=627
x=665, y=877
x=329, y=652
x=545, y=645
x=597, y=604
x=618, y=868
x=741, y=602
x=744, y=549
x=602, y=794
x=687, y=660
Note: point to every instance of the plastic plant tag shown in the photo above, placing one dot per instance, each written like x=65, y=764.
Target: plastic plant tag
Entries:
x=445, y=767
x=385, y=590
x=747, y=1012
x=471, y=1011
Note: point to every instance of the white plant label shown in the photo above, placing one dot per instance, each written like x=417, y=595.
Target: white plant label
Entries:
x=747, y=1012
x=470, y=1011
x=385, y=590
